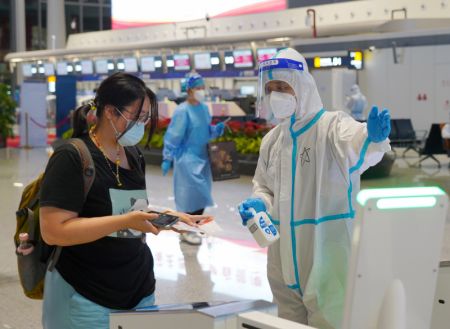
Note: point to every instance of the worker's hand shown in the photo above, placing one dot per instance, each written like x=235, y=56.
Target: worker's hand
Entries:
x=253, y=203
x=220, y=127
x=378, y=125
x=165, y=166
x=141, y=221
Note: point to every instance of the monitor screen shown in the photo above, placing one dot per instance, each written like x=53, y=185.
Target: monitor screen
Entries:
x=243, y=58
x=26, y=70
x=49, y=69
x=130, y=64
x=101, y=66
x=87, y=67
x=248, y=90
x=266, y=53
x=202, y=61
x=148, y=64
x=215, y=59
x=181, y=62
x=61, y=68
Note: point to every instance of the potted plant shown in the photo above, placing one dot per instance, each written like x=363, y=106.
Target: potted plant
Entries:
x=7, y=113
x=246, y=135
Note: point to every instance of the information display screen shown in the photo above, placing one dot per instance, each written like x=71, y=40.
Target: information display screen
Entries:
x=202, y=61
x=266, y=53
x=148, y=64
x=26, y=70
x=243, y=58
x=181, y=62
x=131, y=65
x=49, y=69
x=87, y=67
x=101, y=66
x=61, y=68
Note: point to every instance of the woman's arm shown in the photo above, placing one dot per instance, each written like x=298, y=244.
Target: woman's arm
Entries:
x=64, y=228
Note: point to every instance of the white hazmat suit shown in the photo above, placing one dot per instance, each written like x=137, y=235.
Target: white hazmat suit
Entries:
x=356, y=103
x=308, y=175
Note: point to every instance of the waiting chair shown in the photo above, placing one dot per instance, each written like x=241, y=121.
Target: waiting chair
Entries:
x=433, y=145
x=404, y=135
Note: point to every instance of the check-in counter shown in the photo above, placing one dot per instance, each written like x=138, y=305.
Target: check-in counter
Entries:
x=222, y=315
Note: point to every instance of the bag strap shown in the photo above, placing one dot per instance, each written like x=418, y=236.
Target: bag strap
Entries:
x=138, y=157
x=88, y=168
x=87, y=163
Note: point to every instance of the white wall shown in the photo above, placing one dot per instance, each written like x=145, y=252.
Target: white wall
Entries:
x=420, y=71
x=333, y=86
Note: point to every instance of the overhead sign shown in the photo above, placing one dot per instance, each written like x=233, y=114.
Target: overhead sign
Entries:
x=353, y=61
x=322, y=62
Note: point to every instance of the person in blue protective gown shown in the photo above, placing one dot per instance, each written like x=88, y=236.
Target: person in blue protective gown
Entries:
x=185, y=148
x=307, y=177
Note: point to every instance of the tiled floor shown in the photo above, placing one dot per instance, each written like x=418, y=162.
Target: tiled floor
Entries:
x=227, y=267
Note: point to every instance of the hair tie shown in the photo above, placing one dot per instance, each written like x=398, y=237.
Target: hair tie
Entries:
x=92, y=105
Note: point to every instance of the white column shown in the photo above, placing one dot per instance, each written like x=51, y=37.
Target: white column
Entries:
x=56, y=24
x=19, y=25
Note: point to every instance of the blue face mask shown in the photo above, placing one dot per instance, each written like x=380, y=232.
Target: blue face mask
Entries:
x=133, y=135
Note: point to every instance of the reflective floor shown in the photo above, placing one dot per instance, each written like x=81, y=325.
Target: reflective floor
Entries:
x=227, y=267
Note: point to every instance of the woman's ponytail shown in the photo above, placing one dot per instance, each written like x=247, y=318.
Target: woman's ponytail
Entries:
x=80, y=119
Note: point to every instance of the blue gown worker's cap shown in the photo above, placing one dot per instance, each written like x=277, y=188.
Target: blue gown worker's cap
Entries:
x=194, y=81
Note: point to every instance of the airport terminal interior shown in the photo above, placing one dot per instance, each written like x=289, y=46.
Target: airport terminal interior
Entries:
x=393, y=245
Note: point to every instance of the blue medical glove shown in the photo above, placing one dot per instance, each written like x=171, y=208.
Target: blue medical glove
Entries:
x=165, y=166
x=378, y=125
x=220, y=127
x=244, y=208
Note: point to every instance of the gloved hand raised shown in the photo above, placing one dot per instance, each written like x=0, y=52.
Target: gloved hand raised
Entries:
x=220, y=127
x=165, y=166
x=244, y=208
x=378, y=125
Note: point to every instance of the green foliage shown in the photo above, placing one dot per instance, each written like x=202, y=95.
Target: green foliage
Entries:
x=247, y=136
x=244, y=144
x=157, y=140
x=7, y=111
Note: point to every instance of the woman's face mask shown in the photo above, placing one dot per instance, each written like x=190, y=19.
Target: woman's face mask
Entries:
x=132, y=136
x=282, y=105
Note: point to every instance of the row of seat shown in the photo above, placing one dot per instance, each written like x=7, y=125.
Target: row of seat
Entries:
x=426, y=143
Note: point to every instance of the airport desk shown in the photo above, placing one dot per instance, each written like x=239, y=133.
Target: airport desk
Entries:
x=222, y=315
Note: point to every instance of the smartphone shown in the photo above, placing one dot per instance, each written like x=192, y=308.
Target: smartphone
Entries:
x=164, y=220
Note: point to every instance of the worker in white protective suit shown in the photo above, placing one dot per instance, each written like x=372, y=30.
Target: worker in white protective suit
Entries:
x=445, y=131
x=356, y=103
x=307, y=177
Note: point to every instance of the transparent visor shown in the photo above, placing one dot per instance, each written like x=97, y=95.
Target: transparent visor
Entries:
x=276, y=70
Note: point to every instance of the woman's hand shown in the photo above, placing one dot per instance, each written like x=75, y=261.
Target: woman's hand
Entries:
x=191, y=220
x=141, y=221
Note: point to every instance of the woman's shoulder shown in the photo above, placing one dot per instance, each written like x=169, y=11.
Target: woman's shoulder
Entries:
x=67, y=152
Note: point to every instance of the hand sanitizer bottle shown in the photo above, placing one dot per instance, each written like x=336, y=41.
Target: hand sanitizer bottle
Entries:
x=262, y=228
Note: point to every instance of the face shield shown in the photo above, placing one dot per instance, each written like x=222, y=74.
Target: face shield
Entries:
x=294, y=73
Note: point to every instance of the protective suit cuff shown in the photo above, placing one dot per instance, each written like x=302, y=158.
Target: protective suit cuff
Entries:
x=383, y=146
